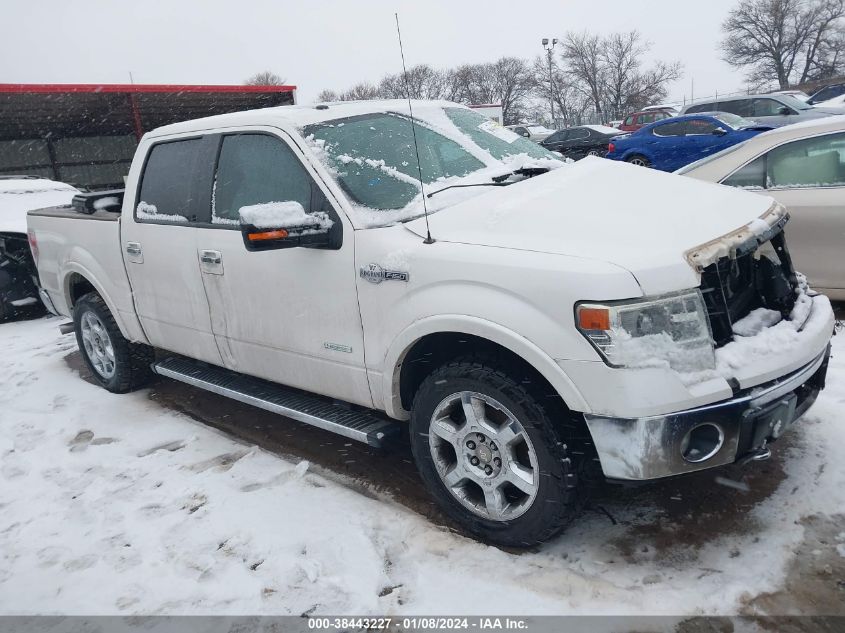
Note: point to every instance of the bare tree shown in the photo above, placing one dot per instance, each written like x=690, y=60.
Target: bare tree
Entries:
x=625, y=86
x=423, y=82
x=328, y=95
x=787, y=41
x=571, y=104
x=582, y=57
x=265, y=78
x=360, y=92
x=608, y=72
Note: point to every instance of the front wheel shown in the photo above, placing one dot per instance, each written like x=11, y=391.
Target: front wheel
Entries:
x=491, y=456
x=116, y=363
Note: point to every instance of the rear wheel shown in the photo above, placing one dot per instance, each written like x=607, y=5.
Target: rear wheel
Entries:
x=595, y=152
x=491, y=456
x=639, y=161
x=117, y=364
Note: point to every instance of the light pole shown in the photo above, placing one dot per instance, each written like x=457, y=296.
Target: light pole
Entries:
x=549, y=45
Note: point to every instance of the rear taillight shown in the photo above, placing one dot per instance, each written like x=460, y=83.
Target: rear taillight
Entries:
x=33, y=244
x=611, y=147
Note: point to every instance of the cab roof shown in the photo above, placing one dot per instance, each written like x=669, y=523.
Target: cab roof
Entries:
x=298, y=116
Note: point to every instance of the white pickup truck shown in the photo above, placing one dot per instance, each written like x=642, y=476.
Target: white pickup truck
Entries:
x=530, y=318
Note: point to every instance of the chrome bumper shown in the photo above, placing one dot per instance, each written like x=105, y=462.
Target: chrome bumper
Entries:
x=652, y=447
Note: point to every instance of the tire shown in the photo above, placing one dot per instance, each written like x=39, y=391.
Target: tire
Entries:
x=639, y=160
x=597, y=153
x=505, y=514
x=117, y=364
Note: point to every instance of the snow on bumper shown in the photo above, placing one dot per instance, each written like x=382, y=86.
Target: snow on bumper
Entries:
x=776, y=389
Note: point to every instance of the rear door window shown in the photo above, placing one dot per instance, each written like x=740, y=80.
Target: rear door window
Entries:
x=670, y=129
x=812, y=162
x=166, y=193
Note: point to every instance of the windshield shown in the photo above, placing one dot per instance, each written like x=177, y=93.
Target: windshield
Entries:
x=492, y=137
x=792, y=102
x=372, y=156
x=736, y=122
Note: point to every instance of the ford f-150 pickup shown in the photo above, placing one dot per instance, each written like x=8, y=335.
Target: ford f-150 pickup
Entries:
x=354, y=266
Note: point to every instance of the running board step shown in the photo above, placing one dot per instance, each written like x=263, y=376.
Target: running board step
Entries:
x=324, y=413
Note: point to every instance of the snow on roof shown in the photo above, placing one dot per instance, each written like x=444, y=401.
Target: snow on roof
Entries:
x=603, y=129
x=302, y=115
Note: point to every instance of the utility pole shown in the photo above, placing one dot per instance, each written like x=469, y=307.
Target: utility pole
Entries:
x=549, y=45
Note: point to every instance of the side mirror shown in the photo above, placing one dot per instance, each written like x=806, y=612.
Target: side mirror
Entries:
x=275, y=225
x=786, y=111
x=526, y=134
x=720, y=131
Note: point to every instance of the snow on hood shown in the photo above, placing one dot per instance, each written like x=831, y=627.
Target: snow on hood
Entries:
x=643, y=220
x=18, y=196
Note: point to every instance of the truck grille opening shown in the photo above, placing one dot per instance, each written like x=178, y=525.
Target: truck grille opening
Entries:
x=759, y=278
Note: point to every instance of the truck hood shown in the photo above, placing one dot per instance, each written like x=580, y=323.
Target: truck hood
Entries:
x=645, y=221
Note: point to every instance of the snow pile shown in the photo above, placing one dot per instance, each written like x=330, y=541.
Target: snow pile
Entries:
x=105, y=203
x=147, y=211
x=287, y=214
x=756, y=321
x=115, y=505
x=783, y=339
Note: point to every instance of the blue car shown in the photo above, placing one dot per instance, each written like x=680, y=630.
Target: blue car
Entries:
x=673, y=143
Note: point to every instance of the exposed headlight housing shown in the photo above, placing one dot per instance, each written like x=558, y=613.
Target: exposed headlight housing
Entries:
x=665, y=331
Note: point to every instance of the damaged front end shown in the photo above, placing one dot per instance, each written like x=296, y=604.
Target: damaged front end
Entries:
x=771, y=336
x=746, y=270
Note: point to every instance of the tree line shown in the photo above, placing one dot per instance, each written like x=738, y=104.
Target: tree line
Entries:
x=597, y=78
x=591, y=76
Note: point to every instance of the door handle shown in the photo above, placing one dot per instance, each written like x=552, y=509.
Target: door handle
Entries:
x=211, y=257
x=133, y=248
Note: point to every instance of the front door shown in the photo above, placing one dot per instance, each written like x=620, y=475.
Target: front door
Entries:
x=287, y=315
x=159, y=248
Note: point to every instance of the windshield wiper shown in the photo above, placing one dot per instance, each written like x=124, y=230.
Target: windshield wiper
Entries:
x=472, y=184
x=528, y=172
x=500, y=180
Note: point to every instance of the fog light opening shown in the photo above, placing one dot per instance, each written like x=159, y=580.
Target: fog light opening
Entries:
x=702, y=442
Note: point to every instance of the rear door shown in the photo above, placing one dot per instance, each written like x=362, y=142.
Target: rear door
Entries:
x=288, y=315
x=159, y=249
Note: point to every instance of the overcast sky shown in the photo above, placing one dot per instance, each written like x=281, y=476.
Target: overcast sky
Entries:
x=320, y=44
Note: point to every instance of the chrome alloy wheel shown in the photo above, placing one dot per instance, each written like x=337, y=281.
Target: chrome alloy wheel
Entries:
x=484, y=456
x=98, y=345
x=639, y=162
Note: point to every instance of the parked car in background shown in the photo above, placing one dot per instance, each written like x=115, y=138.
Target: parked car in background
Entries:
x=798, y=94
x=635, y=121
x=534, y=133
x=802, y=167
x=773, y=110
x=18, y=277
x=834, y=103
x=669, y=145
x=826, y=93
x=578, y=142
x=671, y=108
x=615, y=123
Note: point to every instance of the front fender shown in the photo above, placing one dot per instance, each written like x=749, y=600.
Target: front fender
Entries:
x=482, y=328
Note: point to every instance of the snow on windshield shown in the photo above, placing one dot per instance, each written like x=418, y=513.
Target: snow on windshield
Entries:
x=373, y=158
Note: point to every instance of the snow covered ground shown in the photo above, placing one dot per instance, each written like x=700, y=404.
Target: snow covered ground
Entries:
x=116, y=505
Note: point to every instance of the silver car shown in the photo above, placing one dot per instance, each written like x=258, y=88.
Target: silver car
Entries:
x=775, y=110
x=803, y=167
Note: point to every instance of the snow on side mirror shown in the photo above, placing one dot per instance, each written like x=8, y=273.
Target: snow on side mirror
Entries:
x=274, y=225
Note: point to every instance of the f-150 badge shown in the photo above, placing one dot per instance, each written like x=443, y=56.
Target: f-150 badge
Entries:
x=375, y=274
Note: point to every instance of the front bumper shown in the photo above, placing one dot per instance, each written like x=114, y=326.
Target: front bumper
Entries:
x=653, y=447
